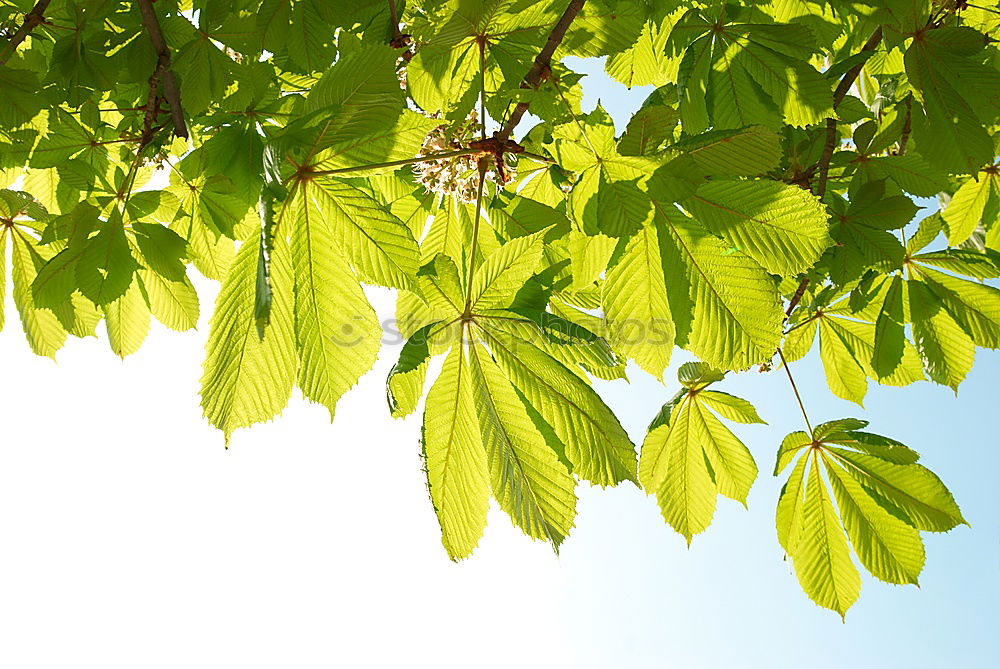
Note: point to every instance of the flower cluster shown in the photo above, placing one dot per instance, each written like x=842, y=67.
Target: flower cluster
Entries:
x=459, y=175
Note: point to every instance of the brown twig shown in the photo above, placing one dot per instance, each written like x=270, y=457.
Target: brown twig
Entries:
x=831, y=123
x=830, y=143
x=399, y=39
x=541, y=67
x=797, y=297
x=31, y=20
x=907, y=123
x=162, y=74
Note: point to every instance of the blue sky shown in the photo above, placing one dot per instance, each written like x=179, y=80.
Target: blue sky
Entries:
x=130, y=538
x=730, y=600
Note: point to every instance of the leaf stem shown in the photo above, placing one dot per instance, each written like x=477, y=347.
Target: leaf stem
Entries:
x=475, y=237
x=795, y=389
x=396, y=163
x=481, y=166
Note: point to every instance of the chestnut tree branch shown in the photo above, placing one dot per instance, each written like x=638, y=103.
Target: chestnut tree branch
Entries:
x=31, y=20
x=162, y=74
x=541, y=66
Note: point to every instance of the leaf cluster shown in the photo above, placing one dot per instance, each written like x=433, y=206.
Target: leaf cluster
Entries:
x=298, y=151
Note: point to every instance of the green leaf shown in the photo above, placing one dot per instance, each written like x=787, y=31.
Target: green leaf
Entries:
x=457, y=471
x=782, y=227
x=336, y=329
x=909, y=491
x=20, y=102
x=690, y=459
x=44, y=332
x=887, y=547
x=890, y=339
x=173, y=303
x=379, y=246
x=733, y=153
x=595, y=441
x=945, y=349
x=528, y=480
x=731, y=407
x=822, y=559
x=730, y=316
x=127, y=321
x=636, y=303
x=505, y=271
x=965, y=210
x=105, y=266
x=405, y=383
x=974, y=306
x=246, y=379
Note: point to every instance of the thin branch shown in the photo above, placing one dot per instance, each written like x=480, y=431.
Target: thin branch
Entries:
x=797, y=297
x=399, y=40
x=394, y=18
x=541, y=66
x=907, y=123
x=31, y=20
x=396, y=163
x=795, y=389
x=802, y=324
x=831, y=123
x=171, y=91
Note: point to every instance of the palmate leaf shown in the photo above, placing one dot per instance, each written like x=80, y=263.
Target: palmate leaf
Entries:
x=247, y=379
x=882, y=499
x=740, y=74
x=534, y=418
x=689, y=457
x=606, y=197
x=847, y=349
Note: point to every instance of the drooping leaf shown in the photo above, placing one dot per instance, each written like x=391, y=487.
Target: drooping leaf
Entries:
x=247, y=379
x=457, y=471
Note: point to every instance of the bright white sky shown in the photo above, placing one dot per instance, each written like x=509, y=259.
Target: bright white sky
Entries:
x=130, y=538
